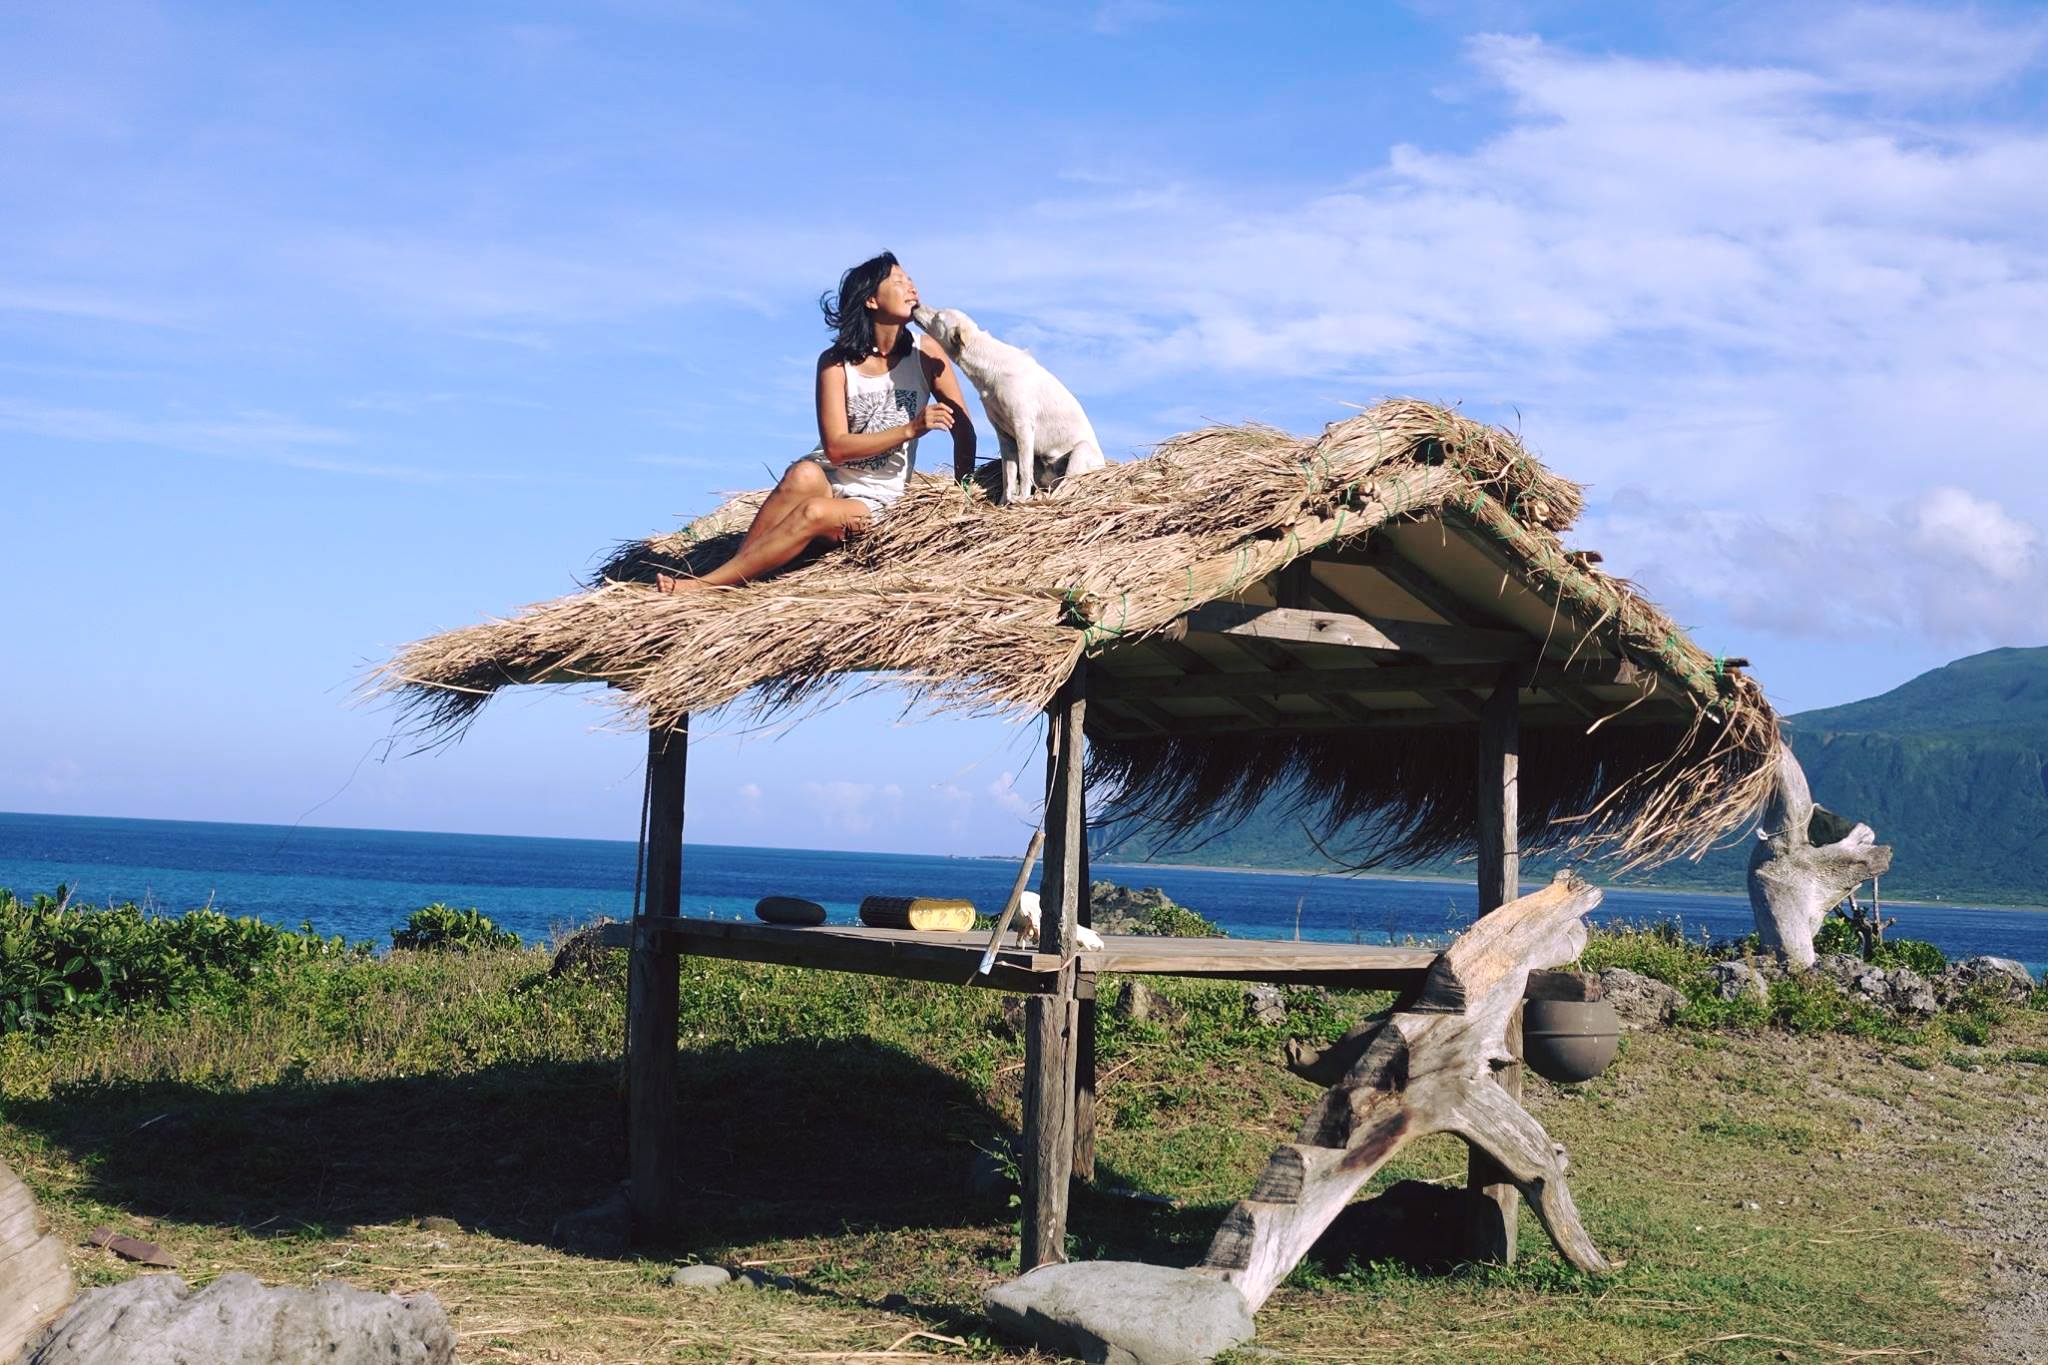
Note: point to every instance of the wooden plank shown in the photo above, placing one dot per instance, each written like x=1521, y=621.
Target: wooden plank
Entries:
x=1309, y=682
x=652, y=1140
x=1051, y=1021
x=1500, y=869
x=933, y=956
x=905, y=954
x=1194, y=662
x=1382, y=635
x=1450, y=697
x=1084, y=1040
x=1200, y=726
x=1498, y=556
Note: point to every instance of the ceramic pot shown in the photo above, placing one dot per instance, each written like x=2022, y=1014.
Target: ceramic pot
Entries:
x=1569, y=1040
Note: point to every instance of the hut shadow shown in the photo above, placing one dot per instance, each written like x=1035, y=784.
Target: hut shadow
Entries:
x=779, y=1140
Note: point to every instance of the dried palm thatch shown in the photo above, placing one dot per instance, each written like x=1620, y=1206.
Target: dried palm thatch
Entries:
x=972, y=606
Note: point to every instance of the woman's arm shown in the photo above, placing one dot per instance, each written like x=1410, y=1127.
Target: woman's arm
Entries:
x=945, y=383
x=841, y=445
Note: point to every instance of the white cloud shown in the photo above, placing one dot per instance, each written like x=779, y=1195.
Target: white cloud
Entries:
x=1951, y=567
x=261, y=437
x=1003, y=791
x=1910, y=52
x=1978, y=532
x=855, y=807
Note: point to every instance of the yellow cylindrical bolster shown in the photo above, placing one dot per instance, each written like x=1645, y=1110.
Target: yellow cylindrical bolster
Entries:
x=916, y=912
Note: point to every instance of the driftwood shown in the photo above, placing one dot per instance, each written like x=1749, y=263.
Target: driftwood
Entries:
x=35, y=1272
x=1806, y=859
x=1429, y=1068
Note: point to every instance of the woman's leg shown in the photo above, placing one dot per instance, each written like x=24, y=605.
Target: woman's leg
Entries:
x=825, y=518
x=802, y=480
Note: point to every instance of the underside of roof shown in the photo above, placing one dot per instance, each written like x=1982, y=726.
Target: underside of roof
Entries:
x=1259, y=613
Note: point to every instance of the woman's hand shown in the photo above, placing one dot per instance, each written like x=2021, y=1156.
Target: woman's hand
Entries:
x=934, y=417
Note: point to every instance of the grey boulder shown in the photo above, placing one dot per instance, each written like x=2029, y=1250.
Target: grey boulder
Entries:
x=1738, y=981
x=158, y=1320
x=1906, y=992
x=1641, y=1002
x=699, y=1277
x=1998, y=977
x=1122, y=1312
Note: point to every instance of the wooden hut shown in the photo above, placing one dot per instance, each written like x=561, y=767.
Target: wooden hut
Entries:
x=1382, y=620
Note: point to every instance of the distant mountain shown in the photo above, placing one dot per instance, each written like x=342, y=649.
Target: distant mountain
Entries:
x=1951, y=769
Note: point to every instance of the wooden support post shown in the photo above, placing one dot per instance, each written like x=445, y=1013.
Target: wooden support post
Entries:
x=1500, y=868
x=1050, y=1021
x=652, y=1141
x=1084, y=1044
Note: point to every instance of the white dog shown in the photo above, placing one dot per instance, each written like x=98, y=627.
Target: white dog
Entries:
x=1044, y=435
x=1027, y=910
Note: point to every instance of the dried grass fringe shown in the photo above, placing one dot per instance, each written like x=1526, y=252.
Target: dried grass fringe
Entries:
x=974, y=607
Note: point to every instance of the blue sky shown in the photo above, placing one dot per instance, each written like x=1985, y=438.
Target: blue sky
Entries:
x=324, y=327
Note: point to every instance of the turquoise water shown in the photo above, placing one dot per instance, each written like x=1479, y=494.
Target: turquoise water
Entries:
x=360, y=883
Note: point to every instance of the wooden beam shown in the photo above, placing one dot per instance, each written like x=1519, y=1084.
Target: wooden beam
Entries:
x=1500, y=870
x=652, y=1141
x=1294, y=625
x=1192, y=661
x=906, y=955
x=1455, y=699
x=1314, y=682
x=1084, y=1042
x=1197, y=727
x=1050, y=1021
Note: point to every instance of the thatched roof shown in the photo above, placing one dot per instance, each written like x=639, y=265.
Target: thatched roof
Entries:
x=1427, y=541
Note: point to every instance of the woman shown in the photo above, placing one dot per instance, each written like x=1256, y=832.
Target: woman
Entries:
x=880, y=388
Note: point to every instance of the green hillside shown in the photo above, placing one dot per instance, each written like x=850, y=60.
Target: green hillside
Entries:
x=1951, y=769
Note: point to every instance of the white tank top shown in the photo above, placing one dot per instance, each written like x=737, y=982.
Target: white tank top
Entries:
x=876, y=403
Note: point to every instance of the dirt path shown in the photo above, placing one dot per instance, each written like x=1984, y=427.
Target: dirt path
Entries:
x=2011, y=1217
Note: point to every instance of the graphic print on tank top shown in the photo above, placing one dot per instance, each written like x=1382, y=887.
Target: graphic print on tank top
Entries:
x=878, y=410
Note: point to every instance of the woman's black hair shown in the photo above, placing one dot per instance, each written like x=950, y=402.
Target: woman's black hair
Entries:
x=848, y=316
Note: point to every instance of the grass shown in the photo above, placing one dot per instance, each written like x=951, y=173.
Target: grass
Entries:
x=419, y=1121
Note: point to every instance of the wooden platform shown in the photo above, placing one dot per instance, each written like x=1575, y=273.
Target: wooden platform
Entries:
x=953, y=958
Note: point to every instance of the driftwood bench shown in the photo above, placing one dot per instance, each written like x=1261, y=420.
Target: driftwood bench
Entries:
x=1434, y=1065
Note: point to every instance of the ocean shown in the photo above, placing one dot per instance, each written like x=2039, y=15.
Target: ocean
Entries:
x=360, y=883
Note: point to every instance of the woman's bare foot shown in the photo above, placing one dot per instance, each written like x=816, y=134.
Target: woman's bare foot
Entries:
x=673, y=583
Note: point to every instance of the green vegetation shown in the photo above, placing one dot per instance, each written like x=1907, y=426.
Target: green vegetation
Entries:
x=421, y=1119
x=1951, y=769
x=443, y=927
x=61, y=962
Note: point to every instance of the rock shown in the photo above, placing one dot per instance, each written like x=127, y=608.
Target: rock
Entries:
x=1137, y=1001
x=1115, y=909
x=238, y=1321
x=756, y=1278
x=1643, y=1002
x=604, y=1229
x=1265, y=1004
x=1908, y=993
x=989, y=1174
x=1428, y=1227
x=699, y=1277
x=1122, y=1312
x=2000, y=978
x=1738, y=981
x=439, y=1224
x=1859, y=979
x=582, y=951
x=35, y=1269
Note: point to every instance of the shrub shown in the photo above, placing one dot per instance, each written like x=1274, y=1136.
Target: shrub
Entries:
x=62, y=961
x=1839, y=936
x=443, y=927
